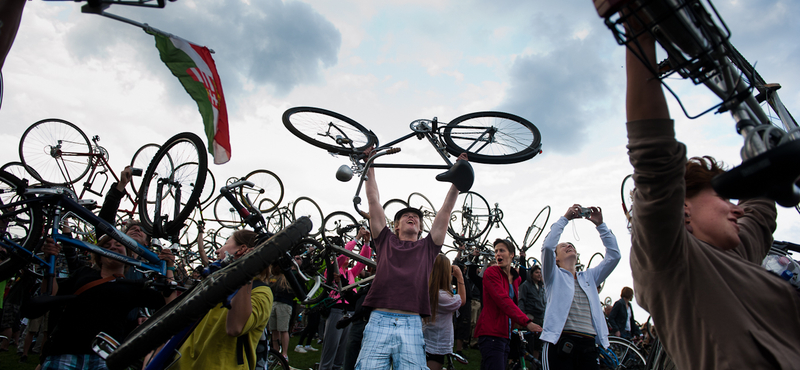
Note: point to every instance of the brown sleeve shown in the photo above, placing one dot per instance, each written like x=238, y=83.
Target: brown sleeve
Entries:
x=756, y=228
x=659, y=163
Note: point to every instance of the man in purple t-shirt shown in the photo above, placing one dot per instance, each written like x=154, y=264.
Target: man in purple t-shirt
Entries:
x=398, y=295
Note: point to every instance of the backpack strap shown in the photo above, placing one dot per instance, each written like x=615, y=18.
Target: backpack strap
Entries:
x=95, y=283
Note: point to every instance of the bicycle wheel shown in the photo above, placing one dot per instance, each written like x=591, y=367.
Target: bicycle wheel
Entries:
x=181, y=186
x=141, y=159
x=472, y=219
x=628, y=356
x=276, y=361
x=328, y=130
x=535, y=230
x=493, y=137
x=279, y=219
x=422, y=203
x=591, y=263
x=194, y=304
x=339, y=228
x=305, y=206
x=20, y=171
x=225, y=214
x=390, y=208
x=207, y=192
x=21, y=224
x=267, y=186
x=57, y=150
x=626, y=190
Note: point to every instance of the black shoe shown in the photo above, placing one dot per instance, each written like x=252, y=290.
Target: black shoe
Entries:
x=23, y=359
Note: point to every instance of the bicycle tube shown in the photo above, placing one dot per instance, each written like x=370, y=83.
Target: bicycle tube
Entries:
x=25, y=222
x=182, y=148
x=341, y=135
x=206, y=295
x=492, y=137
x=42, y=148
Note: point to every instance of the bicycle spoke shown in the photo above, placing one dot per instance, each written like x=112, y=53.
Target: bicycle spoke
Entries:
x=492, y=137
x=57, y=150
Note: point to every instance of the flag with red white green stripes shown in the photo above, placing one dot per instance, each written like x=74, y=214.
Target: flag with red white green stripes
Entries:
x=195, y=69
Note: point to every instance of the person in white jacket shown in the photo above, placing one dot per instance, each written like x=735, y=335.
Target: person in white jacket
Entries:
x=574, y=321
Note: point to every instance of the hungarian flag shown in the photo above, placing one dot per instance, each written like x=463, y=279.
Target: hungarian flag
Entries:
x=194, y=67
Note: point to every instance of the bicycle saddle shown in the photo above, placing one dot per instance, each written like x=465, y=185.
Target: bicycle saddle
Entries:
x=772, y=174
x=461, y=175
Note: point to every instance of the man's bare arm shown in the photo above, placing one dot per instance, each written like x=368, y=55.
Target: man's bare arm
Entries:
x=439, y=227
x=377, y=220
x=645, y=98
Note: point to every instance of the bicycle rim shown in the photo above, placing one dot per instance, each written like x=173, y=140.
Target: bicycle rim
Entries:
x=339, y=228
x=57, y=150
x=472, y=219
x=279, y=219
x=421, y=202
x=492, y=137
x=328, y=130
x=25, y=222
x=267, y=186
x=20, y=171
x=537, y=226
x=305, y=206
x=187, y=179
x=627, y=354
x=193, y=305
x=626, y=191
x=208, y=191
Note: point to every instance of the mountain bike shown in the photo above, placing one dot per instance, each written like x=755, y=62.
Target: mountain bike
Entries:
x=487, y=137
x=697, y=42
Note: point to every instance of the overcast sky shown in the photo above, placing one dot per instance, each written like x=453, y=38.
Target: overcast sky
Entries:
x=385, y=64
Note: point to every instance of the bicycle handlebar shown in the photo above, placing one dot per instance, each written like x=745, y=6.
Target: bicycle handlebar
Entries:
x=238, y=184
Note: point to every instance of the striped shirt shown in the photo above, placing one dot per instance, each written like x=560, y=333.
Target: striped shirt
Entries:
x=580, y=318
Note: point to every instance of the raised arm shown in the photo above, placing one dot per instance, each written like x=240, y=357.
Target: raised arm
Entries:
x=442, y=219
x=377, y=219
x=644, y=98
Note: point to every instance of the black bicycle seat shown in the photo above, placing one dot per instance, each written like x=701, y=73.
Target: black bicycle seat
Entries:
x=773, y=174
x=461, y=175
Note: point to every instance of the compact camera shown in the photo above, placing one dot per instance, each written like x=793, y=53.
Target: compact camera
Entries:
x=585, y=212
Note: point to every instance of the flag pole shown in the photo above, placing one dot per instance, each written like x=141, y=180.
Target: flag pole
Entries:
x=146, y=27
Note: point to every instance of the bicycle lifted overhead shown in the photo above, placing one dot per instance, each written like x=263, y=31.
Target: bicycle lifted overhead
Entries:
x=487, y=137
x=697, y=42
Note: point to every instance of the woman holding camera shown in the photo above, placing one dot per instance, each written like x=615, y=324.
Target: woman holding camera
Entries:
x=574, y=319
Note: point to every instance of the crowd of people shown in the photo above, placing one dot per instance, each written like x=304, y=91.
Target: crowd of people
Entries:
x=695, y=261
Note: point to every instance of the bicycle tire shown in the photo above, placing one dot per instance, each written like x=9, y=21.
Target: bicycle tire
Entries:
x=312, y=125
x=305, y=206
x=390, y=208
x=267, y=185
x=20, y=171
x=628, y=355
x=225, y=215
x=337, y=221
x=276, y=361
x=24, y=228
x=589, y=265
x=472, y=219
x=41, y=148
x=194, y=304
x=421, y=202
x=626, y=192
x=536, y=228
x=141, y=160
x=514, y=139
x=184, y=148
x=207, y=192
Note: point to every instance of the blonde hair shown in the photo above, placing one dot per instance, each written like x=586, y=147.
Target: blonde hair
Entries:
x=439, y=280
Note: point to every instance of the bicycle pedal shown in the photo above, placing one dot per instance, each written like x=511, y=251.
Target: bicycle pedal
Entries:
x=88, y=203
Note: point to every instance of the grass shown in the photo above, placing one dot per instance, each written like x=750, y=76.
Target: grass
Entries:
x=10, y=361
x=304, y=361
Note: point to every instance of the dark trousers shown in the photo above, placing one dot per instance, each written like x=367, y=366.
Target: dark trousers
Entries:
x=494, y=352
x=312, y=326
x=571, y=352
x=353, y=346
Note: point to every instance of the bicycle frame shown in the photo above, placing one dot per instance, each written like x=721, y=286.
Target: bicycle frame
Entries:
x=61, y=202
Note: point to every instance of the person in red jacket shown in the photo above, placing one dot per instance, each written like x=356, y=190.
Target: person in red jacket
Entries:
x=500, y=292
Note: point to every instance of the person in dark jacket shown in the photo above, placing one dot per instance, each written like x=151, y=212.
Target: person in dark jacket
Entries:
x=621, y=317
x=532, y=302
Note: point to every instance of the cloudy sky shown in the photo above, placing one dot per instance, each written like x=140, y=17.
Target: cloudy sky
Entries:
x=385, y=64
